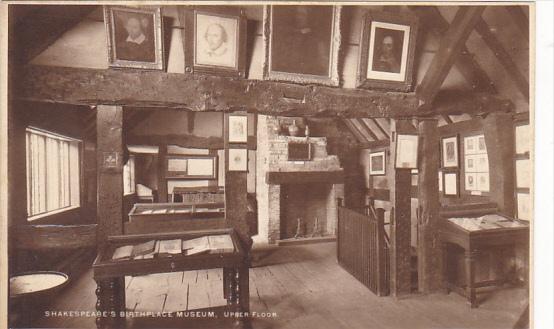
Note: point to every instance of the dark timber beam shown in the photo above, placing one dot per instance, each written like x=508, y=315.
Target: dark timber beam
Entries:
x=428, y=251
x=503, y=57
x=381, y=129
x=432, y=20
x=451, y=44
x=521, y=20
x=153, y=89
x=456, y=102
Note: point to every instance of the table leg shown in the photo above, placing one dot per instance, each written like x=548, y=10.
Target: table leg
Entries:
x=229, y=284
x=470, y=277
x=445, y=273
x=242, y=297
x=110, y=301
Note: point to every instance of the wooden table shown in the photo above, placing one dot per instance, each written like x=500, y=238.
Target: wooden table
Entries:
x=110, y=275
x=474, y=242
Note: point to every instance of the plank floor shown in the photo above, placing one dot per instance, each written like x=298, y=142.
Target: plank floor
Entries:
x=304, y=286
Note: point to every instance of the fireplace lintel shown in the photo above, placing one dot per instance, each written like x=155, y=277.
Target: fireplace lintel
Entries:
x=299, y=177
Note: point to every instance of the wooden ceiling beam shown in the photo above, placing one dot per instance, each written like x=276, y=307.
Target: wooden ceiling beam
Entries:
x=432, y=20
x=354, y=130
x=450, y=46
x=503, y=57
x=364, y=129
x=154, y=89
x=520, y=19
x=457, y=102
x=381, y=128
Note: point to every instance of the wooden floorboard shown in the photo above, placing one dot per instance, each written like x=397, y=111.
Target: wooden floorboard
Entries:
x=305, y=287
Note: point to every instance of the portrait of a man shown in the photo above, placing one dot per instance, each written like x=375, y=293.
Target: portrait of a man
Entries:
x=388, y=54
x=134, y=37
x=135, y=40
x=216, y=40
x=301, y=39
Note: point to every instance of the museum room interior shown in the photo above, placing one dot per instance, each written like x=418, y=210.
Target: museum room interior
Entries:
x=269, y=166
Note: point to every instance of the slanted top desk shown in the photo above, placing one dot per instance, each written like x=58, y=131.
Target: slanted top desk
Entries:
x=110, y=274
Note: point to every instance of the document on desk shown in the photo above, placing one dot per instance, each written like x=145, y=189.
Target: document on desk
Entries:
x=196, y=246
x=221, y=243
x=170, y=247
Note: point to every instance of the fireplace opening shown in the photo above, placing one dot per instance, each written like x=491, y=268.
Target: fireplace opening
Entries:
x=307, y=210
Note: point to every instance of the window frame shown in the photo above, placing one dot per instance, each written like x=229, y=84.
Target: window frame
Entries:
x=73, y=169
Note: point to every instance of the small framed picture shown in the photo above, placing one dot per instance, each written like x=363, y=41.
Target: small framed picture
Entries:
x=406, y=151
x=470, y=163
x=482, y=163
x=450, y=181
x=483, y=182
x=191, y=166
x=377, y=163
x=450, y=152
x=471, y=181
x=214, y=40
x=387, y=49
x=238, y=128
x=440, y=181
x=481, y=144
x=237, y=159
x=135, y=37
x=302, y=43
x=470, y=146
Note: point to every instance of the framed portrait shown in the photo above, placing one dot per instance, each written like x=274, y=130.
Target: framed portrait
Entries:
x=450, y=151
x=450, y=184
x=134, y=37
x=302, y=43
x=406, y=151
x=377, y=163
x=387, y=46
x=470, y=145
x=214, y=40
x=237, y=128
x=237, y=159
x=191, y=166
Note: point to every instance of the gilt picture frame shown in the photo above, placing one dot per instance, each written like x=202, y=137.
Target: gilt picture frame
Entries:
x=302, y=43
x=134, y=37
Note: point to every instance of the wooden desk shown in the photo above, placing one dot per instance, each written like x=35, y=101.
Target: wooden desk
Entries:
x=110, y=275
x=474, y=242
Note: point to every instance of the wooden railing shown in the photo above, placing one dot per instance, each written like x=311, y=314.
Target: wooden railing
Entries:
x=362, y=248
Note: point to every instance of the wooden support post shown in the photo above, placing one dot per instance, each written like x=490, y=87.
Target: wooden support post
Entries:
x=428, y=249
x=109, y=146
x=400, y=182
x=236, y=194
x=500, y=139
x=162, y=167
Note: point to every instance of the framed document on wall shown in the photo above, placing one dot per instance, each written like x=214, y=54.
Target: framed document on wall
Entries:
x=192, y=166
x=406, y=151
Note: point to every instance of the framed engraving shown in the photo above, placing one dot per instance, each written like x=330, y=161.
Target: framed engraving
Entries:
x=406, y=151
x=214, y=40
x=238, y=128
x=450, y=152
x=377, y=163
x=387, y=46
x=237, y=159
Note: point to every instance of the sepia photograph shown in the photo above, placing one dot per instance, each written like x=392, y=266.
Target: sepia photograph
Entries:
x=270, y=165
x=134, y=37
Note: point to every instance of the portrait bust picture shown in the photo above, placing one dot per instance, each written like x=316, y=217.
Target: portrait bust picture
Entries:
x=302, y=43
x=214, y=40
x=387, y=51
x=134, y=37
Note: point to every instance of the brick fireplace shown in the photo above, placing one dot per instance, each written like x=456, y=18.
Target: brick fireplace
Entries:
x=289, y=192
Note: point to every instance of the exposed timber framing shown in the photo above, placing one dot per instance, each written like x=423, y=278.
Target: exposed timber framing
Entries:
x=151, y=89
x=503, y=57
x=159, y=90
x=520, y=19
x=450, y=47
x=432, y=20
